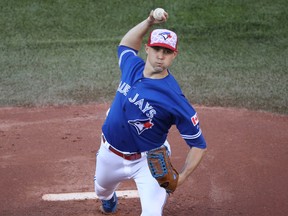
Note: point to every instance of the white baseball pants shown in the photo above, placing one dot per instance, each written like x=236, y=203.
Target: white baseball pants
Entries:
x=112, y=169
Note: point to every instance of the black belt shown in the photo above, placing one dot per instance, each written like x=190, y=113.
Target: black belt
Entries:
x=133, y=156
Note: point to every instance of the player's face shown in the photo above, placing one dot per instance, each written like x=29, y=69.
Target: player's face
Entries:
x=160, y=58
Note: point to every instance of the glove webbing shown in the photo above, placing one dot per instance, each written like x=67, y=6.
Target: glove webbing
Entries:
x=156, y=172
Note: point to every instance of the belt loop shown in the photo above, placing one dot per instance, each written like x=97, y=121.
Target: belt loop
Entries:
x=103, y=138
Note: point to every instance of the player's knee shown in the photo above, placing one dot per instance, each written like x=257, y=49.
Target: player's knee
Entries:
x=101, y=192
x=98, y=189
x=151, y=212
x=152, y=209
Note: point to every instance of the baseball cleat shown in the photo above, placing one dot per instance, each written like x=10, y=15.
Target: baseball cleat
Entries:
x=109, y=206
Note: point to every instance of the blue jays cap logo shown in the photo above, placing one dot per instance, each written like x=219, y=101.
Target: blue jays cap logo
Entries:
x=166, y=35
x=141, y=124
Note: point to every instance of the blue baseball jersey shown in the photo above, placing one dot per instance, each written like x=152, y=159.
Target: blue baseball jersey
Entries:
x=144, y=109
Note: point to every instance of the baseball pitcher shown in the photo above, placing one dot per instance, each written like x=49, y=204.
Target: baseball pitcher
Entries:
x=147, y=103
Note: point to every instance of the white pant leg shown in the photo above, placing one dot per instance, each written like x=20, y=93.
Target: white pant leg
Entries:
x=152, y=196
x=167, y=144
x=109, y=172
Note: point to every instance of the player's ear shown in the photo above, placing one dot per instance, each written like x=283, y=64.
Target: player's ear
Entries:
x=175, y=53
x=146, y=48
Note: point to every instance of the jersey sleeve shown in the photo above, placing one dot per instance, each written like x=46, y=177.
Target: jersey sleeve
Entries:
x=128, y=59
x=188, y=125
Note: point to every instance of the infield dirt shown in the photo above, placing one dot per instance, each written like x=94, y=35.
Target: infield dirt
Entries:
x=52, y=150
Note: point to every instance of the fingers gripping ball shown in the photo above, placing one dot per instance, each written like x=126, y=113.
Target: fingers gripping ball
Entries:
x=162, y=170
x=158, y=14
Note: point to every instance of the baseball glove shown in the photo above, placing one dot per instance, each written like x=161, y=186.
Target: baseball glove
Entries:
x=161, y=168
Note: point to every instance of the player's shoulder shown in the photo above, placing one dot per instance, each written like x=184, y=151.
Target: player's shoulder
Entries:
x=128, y=57
x=173, y=84
x=126, y=50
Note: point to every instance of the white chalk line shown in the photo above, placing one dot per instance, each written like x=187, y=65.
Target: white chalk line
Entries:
x=87, y=195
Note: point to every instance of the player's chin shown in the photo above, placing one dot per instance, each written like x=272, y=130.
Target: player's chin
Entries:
x=158, y=69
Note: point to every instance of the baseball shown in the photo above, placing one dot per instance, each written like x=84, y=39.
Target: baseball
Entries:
x=158, y=13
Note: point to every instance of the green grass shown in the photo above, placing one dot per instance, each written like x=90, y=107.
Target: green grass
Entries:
x=232, y=53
